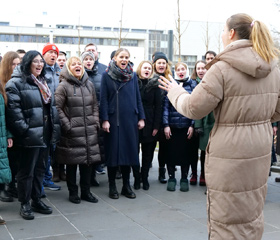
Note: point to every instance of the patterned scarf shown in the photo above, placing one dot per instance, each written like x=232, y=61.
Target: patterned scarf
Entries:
x=121, y=75
x=44, y=89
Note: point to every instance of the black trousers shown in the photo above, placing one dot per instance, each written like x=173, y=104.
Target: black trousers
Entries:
x=14, y=155
x=85, y=176
x=163, y=149
x=184, y=171
x=31, y=172
x=147, y=155
x=125, y=170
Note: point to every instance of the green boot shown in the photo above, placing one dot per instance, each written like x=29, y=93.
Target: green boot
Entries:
x=171, y=184
x=184, y=185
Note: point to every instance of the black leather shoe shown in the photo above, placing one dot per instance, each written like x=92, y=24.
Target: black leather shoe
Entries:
x=94, y=182
x=5, y=196
x=26, y=211
x=74, y=199
x=113, y=193
x=89, y=197
x=127, y=191
x=40, y=207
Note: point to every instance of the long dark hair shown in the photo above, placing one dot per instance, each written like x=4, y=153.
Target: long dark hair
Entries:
x=25, y=65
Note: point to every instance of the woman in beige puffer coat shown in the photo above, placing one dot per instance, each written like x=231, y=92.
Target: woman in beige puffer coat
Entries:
x=242, y=86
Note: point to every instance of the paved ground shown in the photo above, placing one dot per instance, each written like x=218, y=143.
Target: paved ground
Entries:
x=154, y=214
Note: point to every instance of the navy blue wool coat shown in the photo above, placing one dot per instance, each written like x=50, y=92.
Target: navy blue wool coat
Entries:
x=121, y=105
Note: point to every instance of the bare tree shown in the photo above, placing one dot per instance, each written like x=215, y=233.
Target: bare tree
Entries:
x=218, y=37
x=178, y=29
x=206, y=37
x=120, y=37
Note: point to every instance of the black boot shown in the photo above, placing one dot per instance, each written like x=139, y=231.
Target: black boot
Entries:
x=161, y=176
x=144, y=174
x=136, y=174
x=126, y=189
x=113, y=192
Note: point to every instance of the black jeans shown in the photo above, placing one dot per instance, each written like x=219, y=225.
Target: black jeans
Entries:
x=147, y=156
x=31, y=173
x=85, y=176
x=125, y=170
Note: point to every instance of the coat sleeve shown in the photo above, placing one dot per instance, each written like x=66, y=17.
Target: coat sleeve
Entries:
x=104, y=99
x=16, y=121
x=141, y=113
x=157, y=109
x=204, y=98
x=165, y=111
x=95, y=108
x=60, y=99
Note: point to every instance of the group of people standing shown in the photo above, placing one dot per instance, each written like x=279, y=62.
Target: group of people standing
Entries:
x=65, y=112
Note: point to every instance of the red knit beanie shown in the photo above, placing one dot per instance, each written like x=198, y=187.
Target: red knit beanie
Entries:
x=48, y=47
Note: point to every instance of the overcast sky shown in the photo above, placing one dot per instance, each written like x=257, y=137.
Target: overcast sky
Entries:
x=152, y=14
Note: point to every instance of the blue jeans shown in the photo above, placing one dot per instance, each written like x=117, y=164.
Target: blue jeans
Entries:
x=48, y=175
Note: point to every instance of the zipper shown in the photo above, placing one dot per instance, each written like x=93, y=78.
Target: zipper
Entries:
x=117, y=96
x=74, y=86
x=85, y=122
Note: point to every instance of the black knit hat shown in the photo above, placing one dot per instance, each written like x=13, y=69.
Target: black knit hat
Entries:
x=159, y=55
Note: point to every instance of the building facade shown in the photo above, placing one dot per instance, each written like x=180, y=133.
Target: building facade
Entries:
x=198, y=37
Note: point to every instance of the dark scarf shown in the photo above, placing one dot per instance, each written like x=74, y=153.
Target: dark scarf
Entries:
x=121, y=75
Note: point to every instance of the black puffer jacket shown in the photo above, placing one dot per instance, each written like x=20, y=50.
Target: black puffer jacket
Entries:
x=95, y=78
x=171, y=118
x=78, y=112
x=151, y=96
x=25, y=117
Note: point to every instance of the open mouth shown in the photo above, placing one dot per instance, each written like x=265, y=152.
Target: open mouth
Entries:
x=78, y=70
x=181, y=75
x=123, y=64
x=88, y=65
x=147, y=74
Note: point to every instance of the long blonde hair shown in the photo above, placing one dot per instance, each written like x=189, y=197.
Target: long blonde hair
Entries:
x=257, y=32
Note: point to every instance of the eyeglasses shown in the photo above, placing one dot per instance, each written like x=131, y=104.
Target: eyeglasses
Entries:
x=38, y=61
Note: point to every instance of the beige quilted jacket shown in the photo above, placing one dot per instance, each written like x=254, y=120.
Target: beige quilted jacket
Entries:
x=243, y=90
